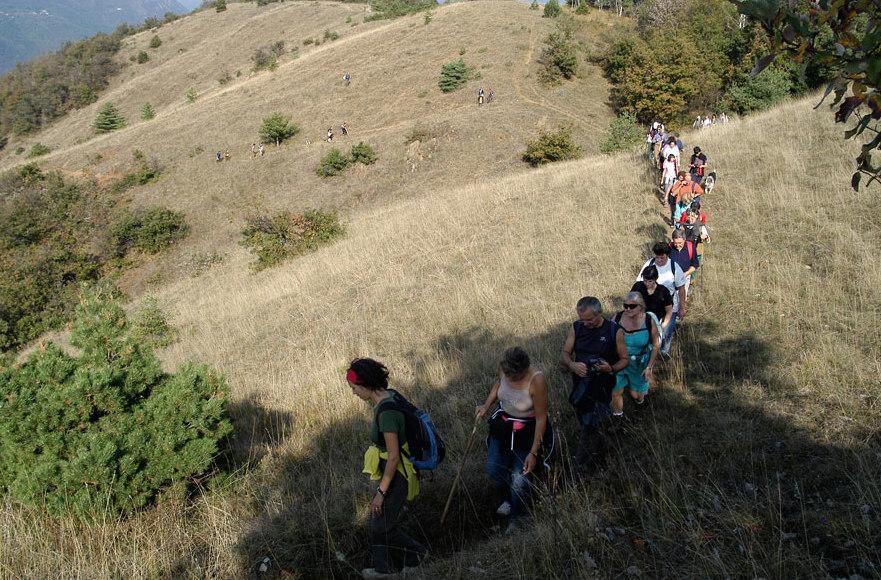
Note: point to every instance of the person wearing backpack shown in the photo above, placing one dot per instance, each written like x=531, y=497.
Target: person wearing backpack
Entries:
x=594, y=351
x=643, y=343
x=684, y=253
x=669, y=275
x=518, y=430
x=386, y=460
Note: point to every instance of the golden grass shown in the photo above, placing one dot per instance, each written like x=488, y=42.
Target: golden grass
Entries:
x=756, y=460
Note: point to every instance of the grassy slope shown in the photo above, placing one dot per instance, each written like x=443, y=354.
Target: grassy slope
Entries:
x=756, y=460
x=395, y=67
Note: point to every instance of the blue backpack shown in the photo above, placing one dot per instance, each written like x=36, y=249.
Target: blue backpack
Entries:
x=427, y=449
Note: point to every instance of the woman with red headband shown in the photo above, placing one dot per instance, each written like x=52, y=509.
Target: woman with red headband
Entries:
x=392, y=548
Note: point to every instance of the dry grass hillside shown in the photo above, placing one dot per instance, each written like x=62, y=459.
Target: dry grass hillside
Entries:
x=758, y=457
x=759, y=454
x=395, y=67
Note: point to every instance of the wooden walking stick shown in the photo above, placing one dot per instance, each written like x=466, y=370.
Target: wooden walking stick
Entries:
x=461, y=467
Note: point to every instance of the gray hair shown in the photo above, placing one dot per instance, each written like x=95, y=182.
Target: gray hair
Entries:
x=635, y=297
x=678, y=235
x=589, y=303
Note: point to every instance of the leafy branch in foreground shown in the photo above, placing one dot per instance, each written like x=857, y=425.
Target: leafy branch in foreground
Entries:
x=802, y=35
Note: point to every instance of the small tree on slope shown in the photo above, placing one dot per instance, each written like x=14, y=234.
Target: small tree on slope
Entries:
x=109, y=119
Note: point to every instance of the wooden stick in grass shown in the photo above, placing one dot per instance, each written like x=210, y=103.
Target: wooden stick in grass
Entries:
x=461, y=467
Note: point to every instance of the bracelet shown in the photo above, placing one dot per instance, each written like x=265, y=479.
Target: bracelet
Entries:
x=380, y=492
x=534, y=453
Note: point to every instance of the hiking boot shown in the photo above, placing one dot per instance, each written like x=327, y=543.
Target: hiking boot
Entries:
x=372, y=574
x=504, y=510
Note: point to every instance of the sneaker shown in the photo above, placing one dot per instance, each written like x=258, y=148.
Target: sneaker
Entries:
x=373, y=574
x=504, y=509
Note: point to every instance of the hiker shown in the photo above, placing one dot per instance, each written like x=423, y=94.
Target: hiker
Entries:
x=694, y=224
x=480, y=97
x=669, y=275
x=697, y=123
x=594, y=351
x=684, y=184
x=391, y=547
x=226, y=156
x=657, y=299
x=643, y=342
x=684, y=253
x=697, y=165
x=347, y=79
x=679, y=145
x=219, y=157
x=344, y=129
x=680, y=207
x=253, y=150
x=330, y=134
x=668, y=172
x=517, y=431
x=489, y=99
x=260, y=149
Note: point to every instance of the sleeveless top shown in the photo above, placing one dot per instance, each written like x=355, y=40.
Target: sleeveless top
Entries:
x=639, y=341
x=516, y=402
x=595, y=343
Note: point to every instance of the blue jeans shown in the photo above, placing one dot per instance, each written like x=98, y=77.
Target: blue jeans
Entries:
x=505, y=469
x=668, y=334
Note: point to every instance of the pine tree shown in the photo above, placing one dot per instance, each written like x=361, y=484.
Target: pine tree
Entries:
x=277, y=127
x=147, y=112
x=220, y=5
x=109, y=119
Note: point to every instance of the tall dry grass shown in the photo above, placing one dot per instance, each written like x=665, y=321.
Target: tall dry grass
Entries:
x=758, y=457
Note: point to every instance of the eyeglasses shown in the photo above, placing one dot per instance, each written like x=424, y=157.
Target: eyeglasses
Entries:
x=631, y=306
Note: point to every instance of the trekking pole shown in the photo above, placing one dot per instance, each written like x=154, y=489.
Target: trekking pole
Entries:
x=461, y=467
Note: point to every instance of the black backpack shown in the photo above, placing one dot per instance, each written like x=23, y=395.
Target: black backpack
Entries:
x=427, y=449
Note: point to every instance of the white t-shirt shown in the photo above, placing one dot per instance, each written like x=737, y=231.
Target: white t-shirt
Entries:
x=666, y=277
x=669, y=170
x=671, y=149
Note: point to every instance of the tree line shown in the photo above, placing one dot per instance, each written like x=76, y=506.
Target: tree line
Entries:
x=42, y=89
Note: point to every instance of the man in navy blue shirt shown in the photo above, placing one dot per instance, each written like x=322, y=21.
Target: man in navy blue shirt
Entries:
x=684, y=253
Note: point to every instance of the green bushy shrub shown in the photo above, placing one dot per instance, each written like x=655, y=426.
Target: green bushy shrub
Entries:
x=559, y=58
x=274, y=239
x=277, y=127
x=37, y=150
x=363, y=153
x=552, y=9
x=147, y=112
x=550, y=147
x=624, y=134
x=760, y=92
x=220, y=5
x=454, y=75
x=146, y=172
x=149, y=230
x=155, y=42
x=107, y=431
x=583, y=8
x=142, y=57
x=108, y=119
x=192, y=95
x=333, y=163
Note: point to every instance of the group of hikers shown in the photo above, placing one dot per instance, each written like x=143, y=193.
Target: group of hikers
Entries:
x=482, y=98
x=604, y=356
x=708, y=121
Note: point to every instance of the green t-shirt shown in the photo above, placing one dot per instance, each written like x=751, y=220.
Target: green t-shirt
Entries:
x=389, y=421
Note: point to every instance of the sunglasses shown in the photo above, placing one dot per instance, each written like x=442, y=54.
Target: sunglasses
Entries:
x=631, y=306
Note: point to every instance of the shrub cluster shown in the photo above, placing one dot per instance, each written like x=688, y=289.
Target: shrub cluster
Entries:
x=37, y=150
x=552, y=9
x=106, y=431
x=51, y=238
x=148, y=230
x=559, y=58
x=274, y=239
x=454, y=75
x=624, y=134
x=550, y=147
x=150, y=324
x=335, y=162
x=142, y=57
x=388, y=10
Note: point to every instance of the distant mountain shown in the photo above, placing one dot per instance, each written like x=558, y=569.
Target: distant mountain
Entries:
x=29, y=28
